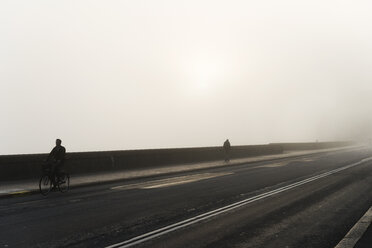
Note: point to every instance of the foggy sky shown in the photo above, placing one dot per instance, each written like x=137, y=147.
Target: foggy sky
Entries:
x=112, y=75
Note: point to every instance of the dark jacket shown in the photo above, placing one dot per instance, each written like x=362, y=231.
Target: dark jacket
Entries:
x=57, y=154
x=226, y=145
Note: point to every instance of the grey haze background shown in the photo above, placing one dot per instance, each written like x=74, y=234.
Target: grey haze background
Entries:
x=105, y=75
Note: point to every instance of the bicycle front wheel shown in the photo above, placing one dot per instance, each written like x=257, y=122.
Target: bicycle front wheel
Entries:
x=45, y=185
x=64, y=182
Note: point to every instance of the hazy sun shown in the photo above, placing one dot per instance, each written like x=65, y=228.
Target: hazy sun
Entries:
x=203, y=74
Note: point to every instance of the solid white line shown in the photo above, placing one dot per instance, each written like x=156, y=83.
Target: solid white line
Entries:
x=357, y=231
x=167, y=229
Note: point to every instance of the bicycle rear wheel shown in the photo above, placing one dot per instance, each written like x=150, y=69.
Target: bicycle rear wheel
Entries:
x=45, y=185
x=64, y=182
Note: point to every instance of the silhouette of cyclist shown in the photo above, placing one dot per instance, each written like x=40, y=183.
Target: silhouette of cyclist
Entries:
x=55, y=161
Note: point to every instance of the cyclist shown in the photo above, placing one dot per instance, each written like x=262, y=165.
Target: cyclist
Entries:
x=55, y=161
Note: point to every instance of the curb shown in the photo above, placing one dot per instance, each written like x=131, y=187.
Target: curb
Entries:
x=353, y=236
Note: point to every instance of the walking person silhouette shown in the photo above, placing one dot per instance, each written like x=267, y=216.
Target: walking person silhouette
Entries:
x=227, y=148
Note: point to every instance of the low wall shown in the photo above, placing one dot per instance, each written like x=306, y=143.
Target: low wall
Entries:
x=312, y=146
x=28, y=166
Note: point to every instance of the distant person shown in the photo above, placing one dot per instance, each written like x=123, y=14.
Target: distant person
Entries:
x=227, y=148
x=56, y=160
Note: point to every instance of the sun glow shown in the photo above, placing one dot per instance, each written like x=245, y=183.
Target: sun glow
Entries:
x=204, y=74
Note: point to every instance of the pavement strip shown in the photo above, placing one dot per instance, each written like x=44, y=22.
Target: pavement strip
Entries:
x=357, y=231
x=208, y=215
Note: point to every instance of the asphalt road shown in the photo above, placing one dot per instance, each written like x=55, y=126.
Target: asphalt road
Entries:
x=265, y=204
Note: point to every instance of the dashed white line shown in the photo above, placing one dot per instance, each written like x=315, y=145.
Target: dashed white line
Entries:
x=170, y=181
x=170, y=184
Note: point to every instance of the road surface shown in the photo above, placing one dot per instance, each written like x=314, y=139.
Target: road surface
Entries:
x=309, y=201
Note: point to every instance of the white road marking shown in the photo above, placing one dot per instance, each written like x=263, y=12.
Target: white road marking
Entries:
x=167, y=229
x=284, y=163
x=308, y=160
x=352, y=237
x=9, y=191
x=171, y=184
x=30, y=202
x=274, y=165
x=170, y=181
x=20, y=192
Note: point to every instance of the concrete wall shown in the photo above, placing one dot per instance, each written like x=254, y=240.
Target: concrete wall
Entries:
x=312, y=146
x=14, y=167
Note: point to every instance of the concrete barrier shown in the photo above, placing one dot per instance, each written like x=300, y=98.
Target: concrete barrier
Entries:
x=28, y=166
x=313, y=145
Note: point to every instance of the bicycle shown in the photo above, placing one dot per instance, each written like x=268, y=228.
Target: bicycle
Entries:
x=62, y=182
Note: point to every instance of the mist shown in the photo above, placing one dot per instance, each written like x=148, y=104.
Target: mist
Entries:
x=115, y=75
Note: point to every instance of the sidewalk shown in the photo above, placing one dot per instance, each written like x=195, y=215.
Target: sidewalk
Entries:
x=15, y=188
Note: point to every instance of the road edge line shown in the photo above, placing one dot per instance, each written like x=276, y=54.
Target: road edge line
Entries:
x=357, y=231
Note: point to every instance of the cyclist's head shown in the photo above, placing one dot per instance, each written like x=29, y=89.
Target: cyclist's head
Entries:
x=58, y=142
